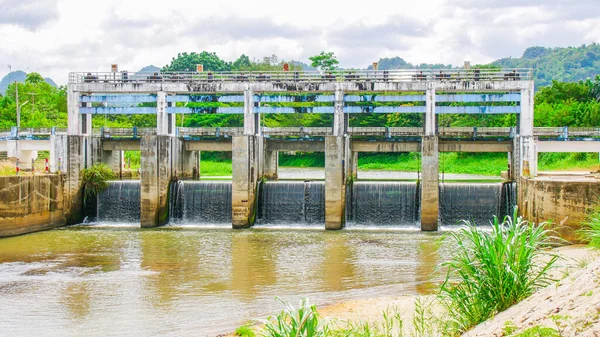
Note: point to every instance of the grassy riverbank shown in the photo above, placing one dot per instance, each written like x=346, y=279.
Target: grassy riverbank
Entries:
x=491, y=164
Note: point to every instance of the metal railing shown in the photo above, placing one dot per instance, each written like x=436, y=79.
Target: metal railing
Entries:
x=476, y=131
x=297, y=131
x=216, y=131
x=134, y=132
x=396, y=75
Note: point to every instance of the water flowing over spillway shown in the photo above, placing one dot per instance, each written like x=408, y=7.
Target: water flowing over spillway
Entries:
x=293, y=202
x=383, y=204
x=120, y=202
x=476, y=202
x=201, y=203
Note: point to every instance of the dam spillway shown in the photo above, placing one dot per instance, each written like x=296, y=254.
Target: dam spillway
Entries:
x=475, y=202
x=119, y=202
x=291, y=202
x=383, y=204
x=200, y=203
x=302, y=203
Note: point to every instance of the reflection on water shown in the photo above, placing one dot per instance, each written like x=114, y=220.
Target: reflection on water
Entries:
x=119, y=281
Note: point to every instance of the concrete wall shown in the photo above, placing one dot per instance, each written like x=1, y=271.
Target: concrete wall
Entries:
x=30, y=204
x=564, y=201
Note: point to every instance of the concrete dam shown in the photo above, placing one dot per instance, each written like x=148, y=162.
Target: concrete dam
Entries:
x=168, y=190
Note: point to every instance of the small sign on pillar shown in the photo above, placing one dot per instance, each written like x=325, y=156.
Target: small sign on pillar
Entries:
x=114, y=68
x=199, y=68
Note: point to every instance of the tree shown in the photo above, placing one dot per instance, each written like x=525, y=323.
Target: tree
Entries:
x=324, y=61
x=242, y=63
x=34, y=78
x=188, y=62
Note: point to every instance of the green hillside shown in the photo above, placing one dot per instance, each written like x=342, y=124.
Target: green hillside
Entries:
x=569, y=64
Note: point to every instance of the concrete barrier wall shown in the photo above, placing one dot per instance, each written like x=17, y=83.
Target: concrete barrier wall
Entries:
x=564, y=201
x=30, y=204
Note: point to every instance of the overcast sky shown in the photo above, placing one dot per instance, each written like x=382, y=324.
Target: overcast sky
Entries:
x=54, y=37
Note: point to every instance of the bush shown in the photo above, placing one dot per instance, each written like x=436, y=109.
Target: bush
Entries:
x=291, y=322
x=94, y=180
x=491, y=271
x=590, y=231
x=244, y=331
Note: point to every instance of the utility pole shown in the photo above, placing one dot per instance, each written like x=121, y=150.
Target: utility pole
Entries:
x=18, y=109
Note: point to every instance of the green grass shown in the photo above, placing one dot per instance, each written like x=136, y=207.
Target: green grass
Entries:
x=590, y=231
x=244, y=331
x=291, y=322
x=492, y=271
x=568, y=161
x=215, y=168
x=491, y=164
x=539, y=331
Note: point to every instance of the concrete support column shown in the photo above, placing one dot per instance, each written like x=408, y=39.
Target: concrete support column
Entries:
x=528, y=156
x=165, y=122
x=58, y=153
x=514, y=160
x=528, y=146
x=430, y=117
x=353, y=165
x=271, y=164
x=244, y=180
x=73, y=116
x=335, y=182
x=74, y=163
x=250, y=122
x=189, y=164
x=156, y=173
x=114, y=159
x=429, y=183
x=339, y=123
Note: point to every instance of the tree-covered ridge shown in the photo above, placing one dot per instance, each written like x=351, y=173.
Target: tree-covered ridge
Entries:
x=212, y=62
x=399, y=63
x=569, y=64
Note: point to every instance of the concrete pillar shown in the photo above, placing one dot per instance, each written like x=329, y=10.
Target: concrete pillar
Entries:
x=335, y=182
x=529, y=156
x=73, y=116
x=430, y=117
x=354, y=165
x=514, y=159
x=58, y=153
x=526, y=115
x=244, y=180
x=165, y=122
x=156, y=173
x=250, y=122
x=339, y=122
x=271, y=164
x=528, y=146
x=73, y=166
x=189, y=164
x=114, y=159
x=429, y=183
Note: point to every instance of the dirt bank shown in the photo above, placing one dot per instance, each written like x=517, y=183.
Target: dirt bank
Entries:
x=573, y=258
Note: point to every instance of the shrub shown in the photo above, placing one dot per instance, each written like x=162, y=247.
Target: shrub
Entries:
x=94, y=180
x=590, y=230
x=493, y=270
x=244, y=331
x=291, y=322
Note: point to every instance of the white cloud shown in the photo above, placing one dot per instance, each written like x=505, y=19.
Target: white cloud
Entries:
x=55, y=37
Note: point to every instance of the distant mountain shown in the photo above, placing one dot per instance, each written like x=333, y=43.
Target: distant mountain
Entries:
x=399, y=63
x=149, y=69
x=18, y=76
x=50, y=81
x=559, y=64
x=304, y=66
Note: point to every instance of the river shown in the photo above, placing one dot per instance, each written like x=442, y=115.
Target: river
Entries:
x=122, y=280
